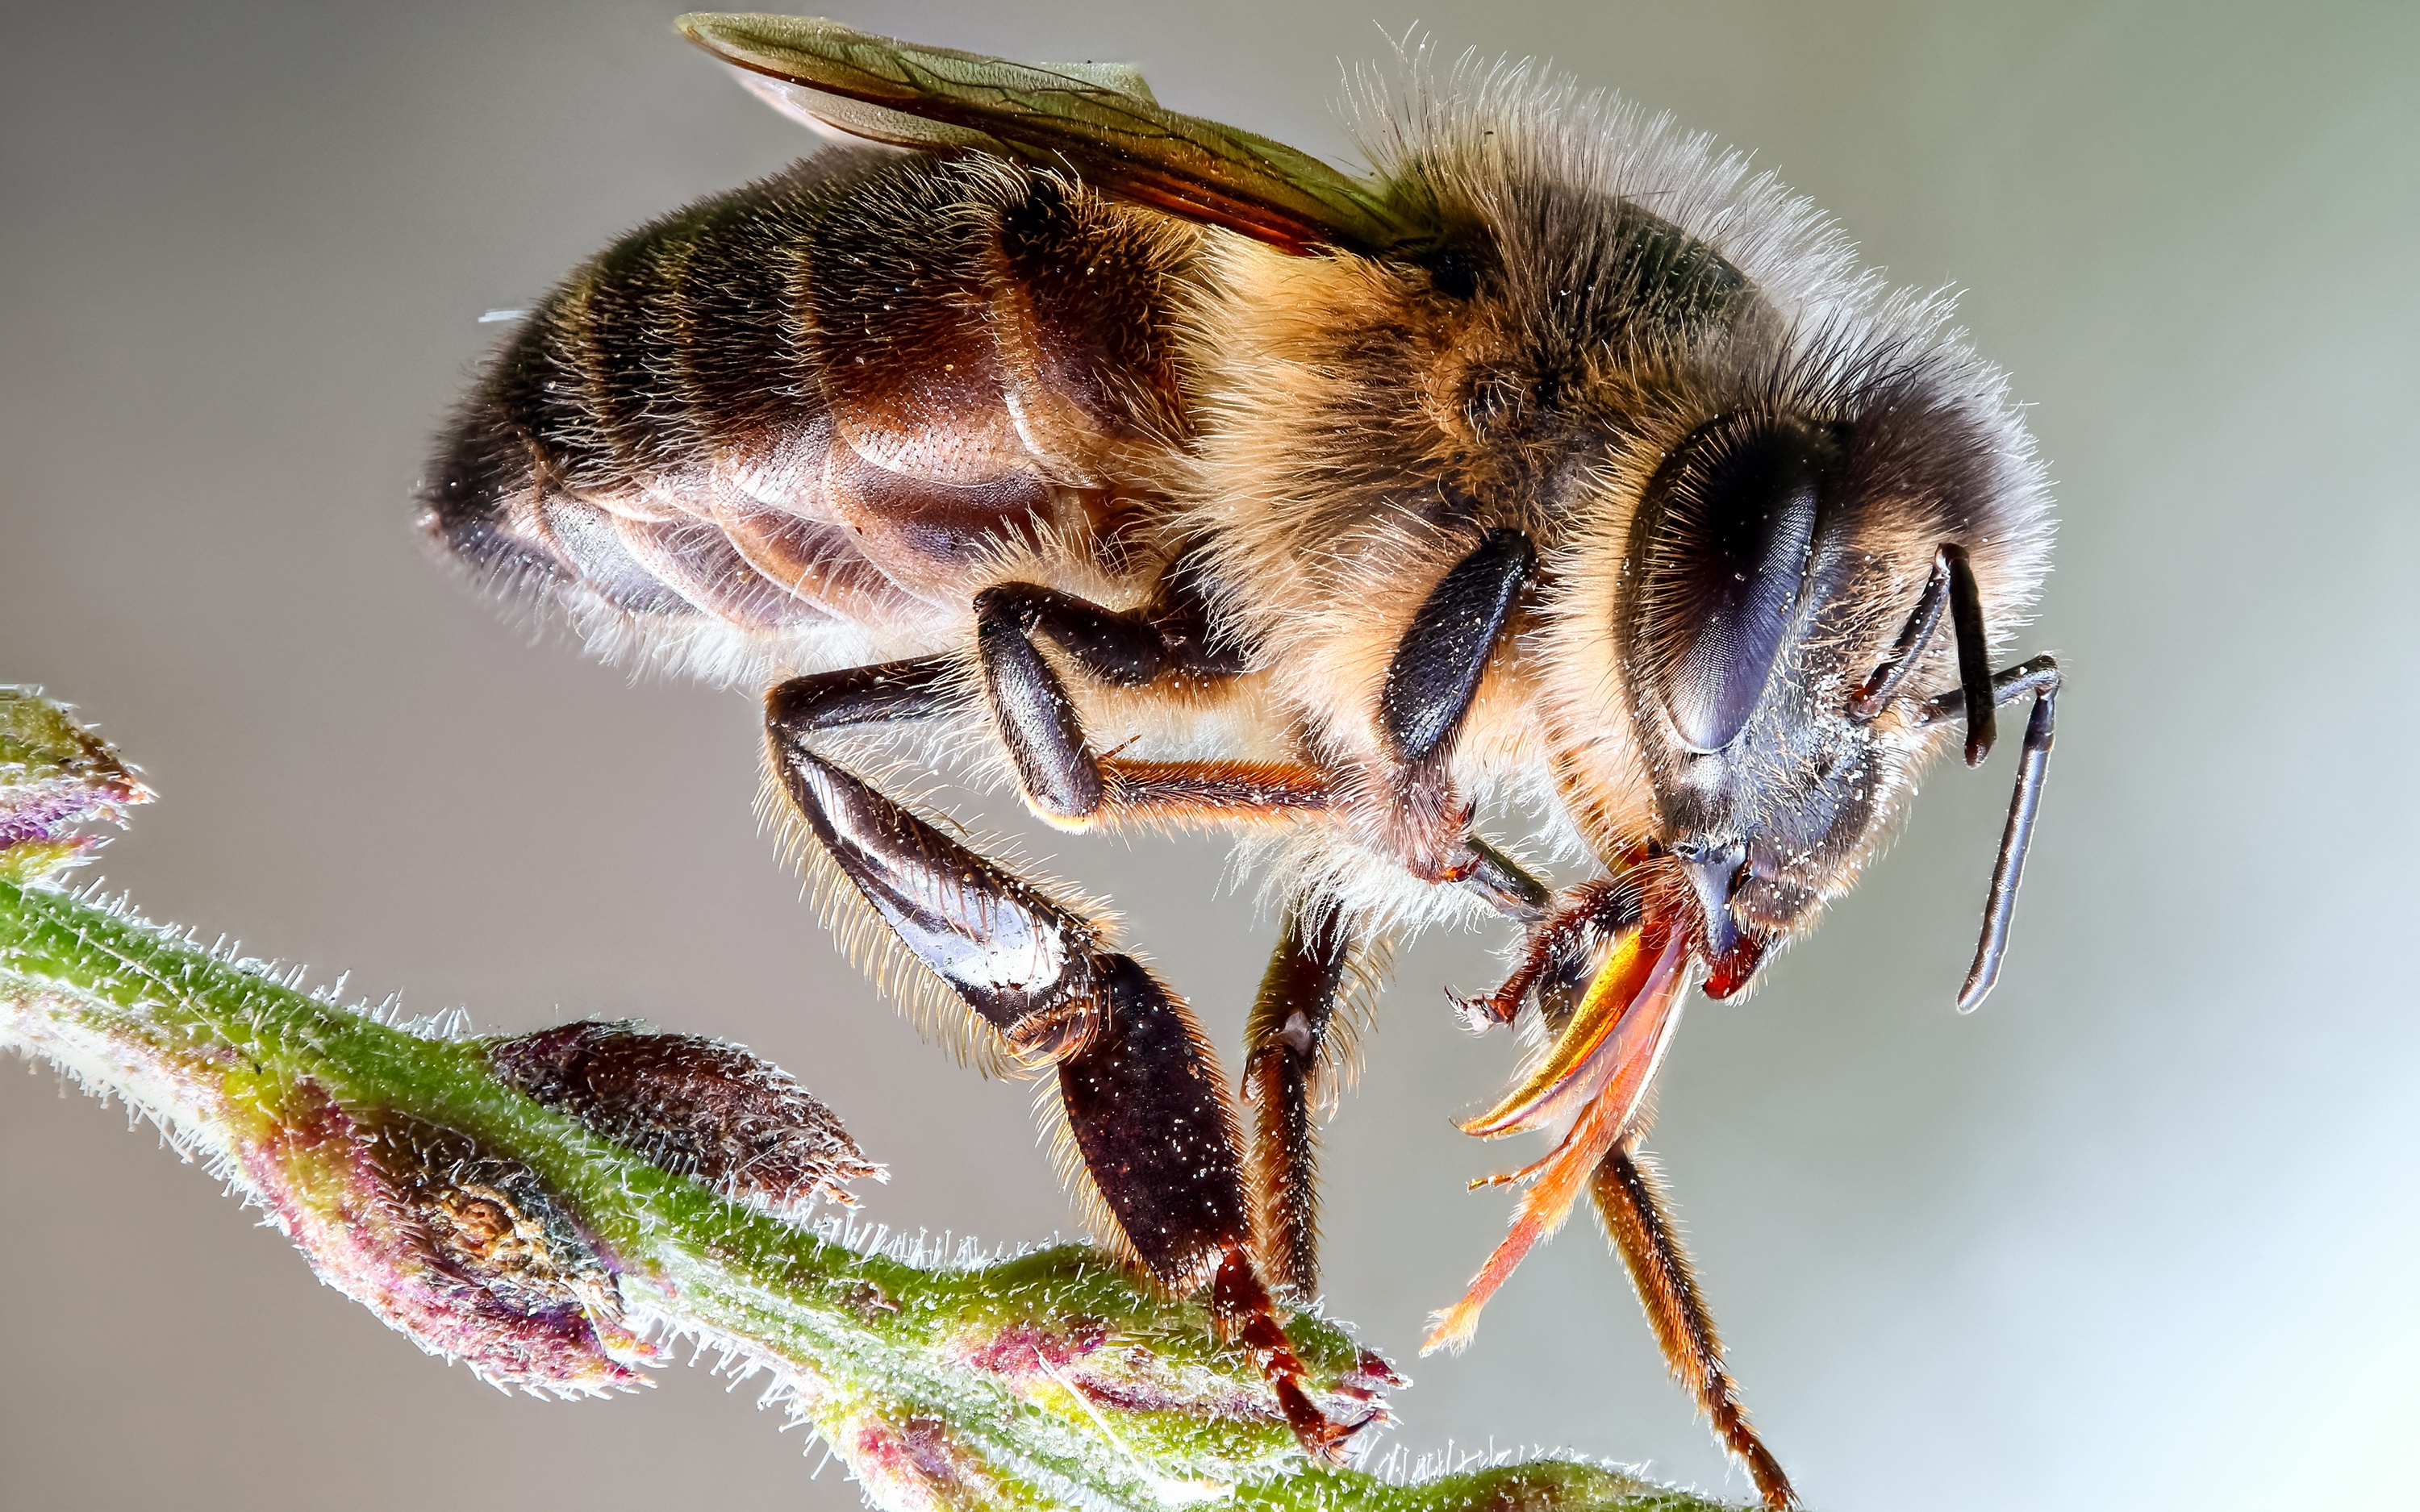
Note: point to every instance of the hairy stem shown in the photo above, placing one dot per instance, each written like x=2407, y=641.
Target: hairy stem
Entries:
x=552, y=1208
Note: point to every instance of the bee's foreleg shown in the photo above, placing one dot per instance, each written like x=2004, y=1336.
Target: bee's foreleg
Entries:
x=1431, y=681
x=1630, y=1201
x=1559, y=954
x=1286, y=1054
x=1148, y=1113
x=1509, y=886
x=1437, y=666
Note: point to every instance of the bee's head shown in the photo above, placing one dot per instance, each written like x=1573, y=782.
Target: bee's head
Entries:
x=1770, y=563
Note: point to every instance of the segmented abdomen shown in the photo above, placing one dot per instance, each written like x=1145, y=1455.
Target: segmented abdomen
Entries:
x=828, y=403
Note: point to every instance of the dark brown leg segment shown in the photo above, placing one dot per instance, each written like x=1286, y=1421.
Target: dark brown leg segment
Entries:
x=1285, y=1069
x=1630, y=1201
x=1152, y=1121
x=1061, y=777
x=1431, y=680
x=1436, y=669
x=1148, y=1112
x=1507, y=885
x=1558, y=955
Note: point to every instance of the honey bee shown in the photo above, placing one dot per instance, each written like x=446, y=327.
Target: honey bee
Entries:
x=1559, y=467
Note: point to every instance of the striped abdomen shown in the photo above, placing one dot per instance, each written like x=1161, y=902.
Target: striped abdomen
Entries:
x=828, y=402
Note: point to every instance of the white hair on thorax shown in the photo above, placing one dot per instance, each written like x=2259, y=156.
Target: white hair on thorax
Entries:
x=1507, y=143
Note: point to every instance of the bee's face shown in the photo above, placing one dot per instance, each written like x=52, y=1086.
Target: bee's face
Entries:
x=1759, y=592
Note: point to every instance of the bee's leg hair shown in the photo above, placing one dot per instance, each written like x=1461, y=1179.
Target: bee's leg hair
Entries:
x=1044, y=732
x=2038, y=678
x=1145, y=1104
x=1558, y=955
x=1016, y=957
x=893, y=692
x=1630, y=1201
x=1283, y=1071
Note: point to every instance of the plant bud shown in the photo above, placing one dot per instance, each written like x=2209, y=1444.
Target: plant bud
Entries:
x=698, y=1108
x=54, y=776
x=461, y=1249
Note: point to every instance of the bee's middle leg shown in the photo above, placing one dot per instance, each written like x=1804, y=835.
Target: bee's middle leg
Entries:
x=1288, y=1055
x=1061, y=777
x=1631, y=1204
x=1147, y=1109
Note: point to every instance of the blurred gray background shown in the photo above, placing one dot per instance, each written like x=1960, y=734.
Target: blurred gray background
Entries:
x=2139, y=1234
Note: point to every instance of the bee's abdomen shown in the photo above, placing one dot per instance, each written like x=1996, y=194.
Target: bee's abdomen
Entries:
x=831, y=396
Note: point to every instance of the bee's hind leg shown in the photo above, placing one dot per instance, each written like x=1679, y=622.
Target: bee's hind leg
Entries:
x=1630, y=1201
x=1147, y=1110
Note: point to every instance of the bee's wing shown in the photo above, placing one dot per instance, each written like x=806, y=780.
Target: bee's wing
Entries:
x=854, y=120
x=1098, y=120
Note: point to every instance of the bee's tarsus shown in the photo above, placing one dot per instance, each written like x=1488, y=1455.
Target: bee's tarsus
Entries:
x=1476, y=1015
x=1245, y=1315
x=1558, y=955
x=1631, y=1204
x=1505, y=882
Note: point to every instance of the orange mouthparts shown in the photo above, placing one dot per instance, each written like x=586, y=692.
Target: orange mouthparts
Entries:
x=1602, y=1065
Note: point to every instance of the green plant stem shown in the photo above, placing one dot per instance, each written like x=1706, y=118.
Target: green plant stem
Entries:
x=421, y=1180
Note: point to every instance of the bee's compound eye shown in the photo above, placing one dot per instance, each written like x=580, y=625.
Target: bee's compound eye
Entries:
x=1730, y=525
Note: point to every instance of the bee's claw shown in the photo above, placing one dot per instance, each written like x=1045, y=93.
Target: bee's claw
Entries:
x=1477, y=1015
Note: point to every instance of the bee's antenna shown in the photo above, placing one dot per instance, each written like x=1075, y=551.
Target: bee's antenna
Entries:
x=1875, y=693
x=2040, y=678
x=1973, y=654
x=1952, y=588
